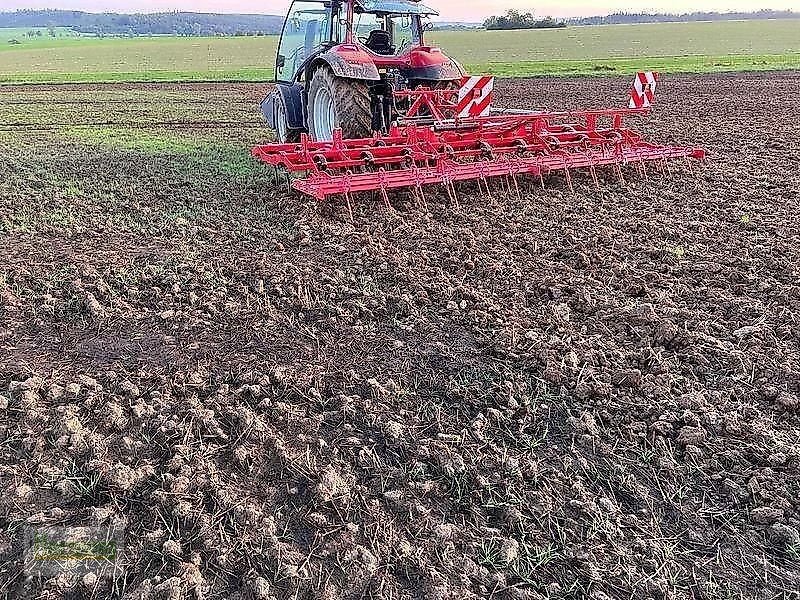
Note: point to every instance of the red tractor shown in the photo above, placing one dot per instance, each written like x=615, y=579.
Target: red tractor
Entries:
x=340, y=63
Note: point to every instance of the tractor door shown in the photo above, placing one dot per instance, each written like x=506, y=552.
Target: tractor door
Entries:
x=306, y=30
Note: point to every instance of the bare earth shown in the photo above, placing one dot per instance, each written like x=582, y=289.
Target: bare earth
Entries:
x=553, y=397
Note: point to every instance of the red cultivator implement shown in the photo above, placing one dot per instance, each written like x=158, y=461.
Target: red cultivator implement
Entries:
x=362, y=103
x=448, y=145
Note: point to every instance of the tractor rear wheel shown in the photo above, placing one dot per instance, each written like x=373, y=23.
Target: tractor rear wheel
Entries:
x=337, y=103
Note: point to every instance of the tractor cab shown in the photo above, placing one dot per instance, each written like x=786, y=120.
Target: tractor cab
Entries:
x=340, y=62
x=387, y=28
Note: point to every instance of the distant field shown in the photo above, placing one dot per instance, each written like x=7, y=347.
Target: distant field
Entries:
x=672, y=47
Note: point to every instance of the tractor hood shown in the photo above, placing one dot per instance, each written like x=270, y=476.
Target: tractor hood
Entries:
x=397, y=7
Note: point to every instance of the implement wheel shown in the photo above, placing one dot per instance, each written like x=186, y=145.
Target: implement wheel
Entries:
x=337, y=103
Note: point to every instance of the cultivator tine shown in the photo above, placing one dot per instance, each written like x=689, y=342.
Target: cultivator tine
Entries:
x=516, y=185
x=485, y=183
x=386, y=202
x=349, y=203
x=455, y=195
x=568, y=176
x=419, y=195
x=593, y=170
x=451, y=193
x=424, y=199
x=384, y=192
x=347, y=194
x=638, y=166
x=643, y=166
x=620, y=176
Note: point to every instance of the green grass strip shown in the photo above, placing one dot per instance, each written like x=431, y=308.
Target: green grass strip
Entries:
x=566, y=68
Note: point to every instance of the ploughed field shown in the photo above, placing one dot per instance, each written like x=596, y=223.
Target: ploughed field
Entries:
x=589, y=396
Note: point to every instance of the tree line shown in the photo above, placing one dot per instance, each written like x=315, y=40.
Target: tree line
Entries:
x=202, y=24
x=166, y=23
x=514, y=19
x=623, y=18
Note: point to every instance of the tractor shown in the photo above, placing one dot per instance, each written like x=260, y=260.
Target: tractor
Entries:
x=340, y=63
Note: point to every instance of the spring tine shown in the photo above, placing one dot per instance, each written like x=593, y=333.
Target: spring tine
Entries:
x=384, y=194
x=516, y=185
x=488, y=191
x=541, y=179
x=349, y=206
x=568, y=175
x=618, y=171
x=386, y=199
x=593, y=171
x=455, y=195
x=450, y=196
x=421, y=196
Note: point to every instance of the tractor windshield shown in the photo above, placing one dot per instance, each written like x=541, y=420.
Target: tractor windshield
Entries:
x=387, y=34
x=389, y=27
x=308, y=26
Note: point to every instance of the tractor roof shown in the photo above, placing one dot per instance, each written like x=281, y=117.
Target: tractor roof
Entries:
x=396, y=7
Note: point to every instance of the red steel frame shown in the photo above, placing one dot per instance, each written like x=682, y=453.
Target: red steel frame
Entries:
x=428, y=148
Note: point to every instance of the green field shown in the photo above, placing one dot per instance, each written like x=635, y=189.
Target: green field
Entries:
x=670, y=47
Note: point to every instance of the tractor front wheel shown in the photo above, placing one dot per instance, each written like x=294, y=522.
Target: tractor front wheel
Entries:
x=337, y=103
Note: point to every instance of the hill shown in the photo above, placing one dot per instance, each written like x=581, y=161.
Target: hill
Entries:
x=169, y=23
x=623, y=18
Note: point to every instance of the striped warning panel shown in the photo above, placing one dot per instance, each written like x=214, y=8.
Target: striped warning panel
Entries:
x=475, y=97
x=643, y=90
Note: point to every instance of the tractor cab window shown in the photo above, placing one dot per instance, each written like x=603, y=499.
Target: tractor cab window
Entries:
x=307, y=28
x=405, y=33
x=388, y=35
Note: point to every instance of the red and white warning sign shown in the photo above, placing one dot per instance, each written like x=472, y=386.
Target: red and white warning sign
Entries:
x=475, y=97
x=643, y=91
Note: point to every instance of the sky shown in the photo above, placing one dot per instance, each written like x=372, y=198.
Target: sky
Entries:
x=452, y=10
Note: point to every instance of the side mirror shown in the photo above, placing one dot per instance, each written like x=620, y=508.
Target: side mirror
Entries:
x=281, y=62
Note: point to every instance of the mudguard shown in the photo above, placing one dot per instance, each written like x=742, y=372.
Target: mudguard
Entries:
x=292, y=96
x=350, y=62
x=432, y=64
x=445, y=72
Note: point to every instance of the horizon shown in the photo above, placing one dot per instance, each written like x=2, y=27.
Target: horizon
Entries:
x=451, y=10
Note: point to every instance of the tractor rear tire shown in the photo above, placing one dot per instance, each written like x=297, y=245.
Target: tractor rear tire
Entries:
x=335, y=102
